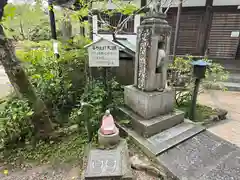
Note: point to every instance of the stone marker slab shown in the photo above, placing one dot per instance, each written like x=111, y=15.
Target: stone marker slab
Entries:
x=197, y=156
x=226, y=170
x=152, y=149
x=173, y=136
x=104, y=164
x=109, y=164
x=170, y=133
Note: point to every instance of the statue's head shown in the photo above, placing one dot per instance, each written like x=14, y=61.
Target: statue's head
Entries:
x=107, y=112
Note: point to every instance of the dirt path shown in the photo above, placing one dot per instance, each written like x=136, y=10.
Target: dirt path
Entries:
x=46, y=172
x=230, y=101
x=43, y=173
x=5, y=86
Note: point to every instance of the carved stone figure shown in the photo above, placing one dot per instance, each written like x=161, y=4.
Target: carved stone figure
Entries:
x=161, y=56
x=152, y=53
x=156, y=6
x=108, y=126
x=108, y=134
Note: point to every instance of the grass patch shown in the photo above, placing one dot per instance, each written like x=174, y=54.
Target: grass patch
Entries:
x=202, y=112
x=69, y=150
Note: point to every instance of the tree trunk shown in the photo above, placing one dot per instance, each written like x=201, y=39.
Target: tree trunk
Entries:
x=90, y=22
x=66, y=28
x=19, y=80
x=21, y=84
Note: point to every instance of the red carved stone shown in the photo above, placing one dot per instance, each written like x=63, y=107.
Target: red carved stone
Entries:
x=108, y=126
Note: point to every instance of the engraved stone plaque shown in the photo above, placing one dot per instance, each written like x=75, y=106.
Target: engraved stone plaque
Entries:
x=196, y=157
x=169, y=133
x=104, y=164
x=227, y=169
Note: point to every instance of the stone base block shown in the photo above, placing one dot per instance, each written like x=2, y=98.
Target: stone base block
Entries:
x=108, y=140
x=149, y=104
x=150, y=127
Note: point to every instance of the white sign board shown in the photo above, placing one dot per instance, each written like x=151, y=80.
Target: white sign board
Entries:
x=103, y=53
x=235, y=34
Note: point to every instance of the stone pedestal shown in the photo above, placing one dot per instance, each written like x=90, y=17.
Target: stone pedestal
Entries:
x=110, y=164
x=149, y=104
x=108, y=140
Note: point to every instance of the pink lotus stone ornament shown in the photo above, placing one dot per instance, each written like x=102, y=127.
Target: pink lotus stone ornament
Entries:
x=108, y=126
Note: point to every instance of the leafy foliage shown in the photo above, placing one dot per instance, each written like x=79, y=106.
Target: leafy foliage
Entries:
x=202, y=112
x=59, y=82
x=28, y=22
x=99, y=100
x=15, y=123
x=69, y=149
x=182, y=79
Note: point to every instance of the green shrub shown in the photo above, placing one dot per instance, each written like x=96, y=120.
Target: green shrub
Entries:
x=15, y=123
x=182, y=79
x=98, y=100
x=59, y=82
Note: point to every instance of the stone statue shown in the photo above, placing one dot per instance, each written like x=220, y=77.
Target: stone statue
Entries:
x=156, y=6
x=108, y=134
x=161, y=57
x=152, y=54
x=108, y=126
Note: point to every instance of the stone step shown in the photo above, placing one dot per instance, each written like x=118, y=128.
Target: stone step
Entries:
x=150, y=127
x=165, y=140
x=204, y=157
x=173, y=136
x=232, y=86
x=233, y=78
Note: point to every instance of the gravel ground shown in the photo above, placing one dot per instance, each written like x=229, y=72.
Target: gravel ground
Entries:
x=44, y=173
x=64, y=173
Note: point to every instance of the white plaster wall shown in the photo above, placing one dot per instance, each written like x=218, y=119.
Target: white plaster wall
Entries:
x=226, y=2
x=137, y=22
x=95, y=24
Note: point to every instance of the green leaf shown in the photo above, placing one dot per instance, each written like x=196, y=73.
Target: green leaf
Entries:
x=14, y=116
x=36, y=76
x=30, y=113
x=124, y=121
x=9, y=11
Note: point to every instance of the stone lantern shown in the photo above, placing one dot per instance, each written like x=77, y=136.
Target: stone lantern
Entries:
x=153, y=45
x=149, y=96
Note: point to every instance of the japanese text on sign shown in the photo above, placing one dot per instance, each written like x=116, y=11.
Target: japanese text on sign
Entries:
x=103, y=54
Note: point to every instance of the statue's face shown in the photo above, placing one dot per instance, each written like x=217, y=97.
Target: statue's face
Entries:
x=162, y=38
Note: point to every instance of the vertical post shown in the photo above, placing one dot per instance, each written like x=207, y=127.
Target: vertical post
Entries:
x=2, y=4
x=192, y=112
x=90, y=22
x=87, y=113
x=206, y=27
x=105, y=82
x=177, y=28
x=143, y=3
x=53, y=27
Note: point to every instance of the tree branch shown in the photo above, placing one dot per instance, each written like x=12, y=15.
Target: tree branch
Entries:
x=170, y=4
x=121, y=25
